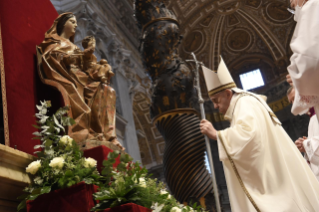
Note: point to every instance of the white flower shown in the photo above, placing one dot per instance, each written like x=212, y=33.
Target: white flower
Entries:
x=176, y=209
x=57, y=162
x=33, y=167
x=38, y=180
x=66, y=140
x=165, y=192
x=157, y=208
x=142, y=182
x=43, y=119
x=89, y=162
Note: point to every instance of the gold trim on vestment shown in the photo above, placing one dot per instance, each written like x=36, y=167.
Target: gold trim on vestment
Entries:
x=4, y=95
x=237, y=174
x=157, y=20
x=222, y=87
x=173, y=113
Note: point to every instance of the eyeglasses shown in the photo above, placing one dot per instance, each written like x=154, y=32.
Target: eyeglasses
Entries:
x=291, y=11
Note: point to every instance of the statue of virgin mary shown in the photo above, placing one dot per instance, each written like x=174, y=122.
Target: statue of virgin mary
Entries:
x=92, y=103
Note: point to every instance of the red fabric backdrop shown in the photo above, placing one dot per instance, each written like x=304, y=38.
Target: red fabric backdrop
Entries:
x=130, y=207
x=23, y=25
x=100, y=154
x=77, y=198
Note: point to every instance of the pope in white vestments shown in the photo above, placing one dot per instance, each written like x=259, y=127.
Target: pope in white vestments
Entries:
x=263, y=168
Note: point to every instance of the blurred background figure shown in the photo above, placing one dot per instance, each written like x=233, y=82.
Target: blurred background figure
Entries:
x=303, y=73
x=308, y=146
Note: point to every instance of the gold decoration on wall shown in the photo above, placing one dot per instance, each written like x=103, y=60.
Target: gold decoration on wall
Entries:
x=4, y=95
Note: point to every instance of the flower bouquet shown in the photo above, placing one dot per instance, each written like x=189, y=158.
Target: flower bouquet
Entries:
x=60, y=163
x=129, y=183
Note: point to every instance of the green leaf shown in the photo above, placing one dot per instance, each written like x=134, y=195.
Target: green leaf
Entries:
x=68, y=173
x=36, y=126
x=48, y=142
x=113, y=155
x=126, y=158
x=106, y=171
x=72, y=122
x=88, y=180
x=111, y=161
x=101, y=206
x=36, y=138
x=23, y=196
x=36, y=191
x=46, y=190
x=33, y=196
x=106, y=163
x=71, y=183
x=121, y=167
x=22, y=205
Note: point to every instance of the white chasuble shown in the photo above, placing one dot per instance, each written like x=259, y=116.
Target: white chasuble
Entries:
x=269, y=165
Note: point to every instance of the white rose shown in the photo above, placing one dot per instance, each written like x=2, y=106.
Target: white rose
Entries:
x=176, y=209
x=165, y=192
x=142, y=182
x=89, y=162
x=33, y=167
x=57, y=162
x=66, y=140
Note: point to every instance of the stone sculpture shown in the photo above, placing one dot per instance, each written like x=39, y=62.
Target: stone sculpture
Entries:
x=82, y=81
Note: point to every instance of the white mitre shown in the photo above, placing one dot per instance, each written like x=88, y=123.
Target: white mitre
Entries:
x=219, y=80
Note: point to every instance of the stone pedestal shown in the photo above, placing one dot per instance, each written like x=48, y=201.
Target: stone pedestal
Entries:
x=13, y=178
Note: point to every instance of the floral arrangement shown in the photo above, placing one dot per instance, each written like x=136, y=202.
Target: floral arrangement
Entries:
x=129, y=183
x=61, y=164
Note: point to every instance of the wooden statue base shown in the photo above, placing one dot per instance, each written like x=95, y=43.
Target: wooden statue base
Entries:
x=89, y=144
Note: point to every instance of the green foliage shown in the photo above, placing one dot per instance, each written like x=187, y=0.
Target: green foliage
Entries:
x=60, y=162
x=129, y=183
x=61, y=165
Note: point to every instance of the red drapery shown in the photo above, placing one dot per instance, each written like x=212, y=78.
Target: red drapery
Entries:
x=130, y=207
x=77, y=198
x=100, y=154
x=23, y=25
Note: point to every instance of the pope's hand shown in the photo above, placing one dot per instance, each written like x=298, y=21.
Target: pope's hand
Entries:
x=207, y=129
x=299, y=144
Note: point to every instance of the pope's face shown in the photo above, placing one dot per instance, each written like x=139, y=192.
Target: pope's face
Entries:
x=70, y=26
x=291, y=96
x=221, y=100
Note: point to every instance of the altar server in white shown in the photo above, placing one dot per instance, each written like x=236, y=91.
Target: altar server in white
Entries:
x=309, y=146
x=304, y=67
x=263, y=168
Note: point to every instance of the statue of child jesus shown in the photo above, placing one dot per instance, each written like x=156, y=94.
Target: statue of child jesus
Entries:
x=98, y=71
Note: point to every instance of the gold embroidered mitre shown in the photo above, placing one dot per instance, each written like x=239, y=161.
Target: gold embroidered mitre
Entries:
x=219, y=80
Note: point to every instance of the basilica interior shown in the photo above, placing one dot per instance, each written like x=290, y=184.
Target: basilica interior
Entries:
x=250, y=35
